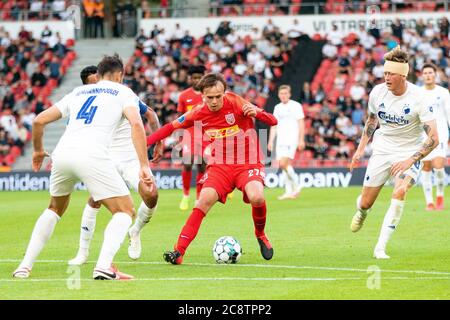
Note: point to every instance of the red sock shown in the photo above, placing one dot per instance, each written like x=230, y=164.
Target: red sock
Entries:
x=186, y=177
x=199, y=185
x=259, y=219
x=190, y=230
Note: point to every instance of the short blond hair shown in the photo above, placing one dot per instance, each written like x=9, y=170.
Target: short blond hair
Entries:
x=284, y=86
x=397, y=55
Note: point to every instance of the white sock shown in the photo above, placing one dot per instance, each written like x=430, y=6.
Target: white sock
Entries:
x=292, y=178
x=427, y=186
x=115, y=233
x=390, y=223
x=143, y=217
x=42, y=231
x=287, y=183
x=87, y=228
x=440, y=182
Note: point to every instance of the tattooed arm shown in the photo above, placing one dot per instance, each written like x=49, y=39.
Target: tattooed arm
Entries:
x=369, y=129
x=430, y=143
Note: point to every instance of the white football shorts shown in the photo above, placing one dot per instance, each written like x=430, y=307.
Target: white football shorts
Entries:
x=379, y=167
x=286, y=151
x=129, y=171
x=97, y=172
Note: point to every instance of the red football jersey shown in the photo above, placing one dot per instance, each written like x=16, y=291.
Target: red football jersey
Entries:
x=188, y=99
x=232, y=135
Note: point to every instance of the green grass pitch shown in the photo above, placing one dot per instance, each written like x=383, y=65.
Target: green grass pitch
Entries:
x=316, y=254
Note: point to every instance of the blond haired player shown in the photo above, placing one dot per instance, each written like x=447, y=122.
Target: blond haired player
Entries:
x=438, y=98
x=290, y=133
x=398, y=145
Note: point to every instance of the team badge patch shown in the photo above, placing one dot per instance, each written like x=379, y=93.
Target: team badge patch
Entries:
x=230, y=118
x=406, y=110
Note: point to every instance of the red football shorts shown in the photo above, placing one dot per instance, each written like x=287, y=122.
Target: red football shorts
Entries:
x=225, y=177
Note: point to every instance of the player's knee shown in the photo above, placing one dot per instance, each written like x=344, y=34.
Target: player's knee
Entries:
x=400, y=192
x=256, y=199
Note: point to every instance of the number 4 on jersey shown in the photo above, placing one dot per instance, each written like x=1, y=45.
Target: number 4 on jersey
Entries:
x=87, y=112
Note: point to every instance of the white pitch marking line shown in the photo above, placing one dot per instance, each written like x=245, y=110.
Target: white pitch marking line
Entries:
x=230, y=278
x=246, y=266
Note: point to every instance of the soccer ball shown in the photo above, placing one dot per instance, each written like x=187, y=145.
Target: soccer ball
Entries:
x=227, y=250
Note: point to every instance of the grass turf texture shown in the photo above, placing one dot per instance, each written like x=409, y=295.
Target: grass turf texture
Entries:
x=316, y=254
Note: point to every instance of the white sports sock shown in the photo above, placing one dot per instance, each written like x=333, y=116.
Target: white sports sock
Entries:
x=427, y=186
x=390, y=223
x=115, y=233
x=143, y=217
x=42, y=231
x=292, y=177
x=87, y=228
x=287, y=183
x=440, y=182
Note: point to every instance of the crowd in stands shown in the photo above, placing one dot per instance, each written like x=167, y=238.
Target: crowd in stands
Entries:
x=30, y=68
x=12, y=10
x=334, y=101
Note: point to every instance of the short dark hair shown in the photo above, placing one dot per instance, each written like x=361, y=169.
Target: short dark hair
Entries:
x=110, y=64
x=86, y=72
x=210, y=80
x=429, y=65
x=196, y=69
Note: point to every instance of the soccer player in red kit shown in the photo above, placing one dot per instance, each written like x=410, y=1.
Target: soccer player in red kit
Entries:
x=191, y=152
x=227, y=121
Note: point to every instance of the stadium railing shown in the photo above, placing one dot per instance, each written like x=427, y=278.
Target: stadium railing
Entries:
x=264, y=8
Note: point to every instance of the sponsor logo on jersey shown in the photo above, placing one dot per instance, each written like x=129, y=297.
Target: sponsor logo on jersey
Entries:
x=181, y=119
x=230, y=118
x=224, y=132
x=391, y=118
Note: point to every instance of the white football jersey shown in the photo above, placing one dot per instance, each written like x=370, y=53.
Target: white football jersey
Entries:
x=288, y=115
x=94, y=112
x=400, y=117
x=439, y=99
x=122, y=148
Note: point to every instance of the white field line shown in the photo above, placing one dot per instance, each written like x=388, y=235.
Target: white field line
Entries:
x=228, y=279
x=239, y=265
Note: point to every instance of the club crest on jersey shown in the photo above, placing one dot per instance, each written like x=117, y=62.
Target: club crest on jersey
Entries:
x=230, y=118
x=406, y=110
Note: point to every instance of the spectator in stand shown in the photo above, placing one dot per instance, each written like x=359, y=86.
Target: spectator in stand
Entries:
x=397, y=29
x=296, y=30
x=4, y=142
x=58, y=8
x=306, y=95
x=89, y=19
x=357, y=92
x=329, y=50
x=98, y=17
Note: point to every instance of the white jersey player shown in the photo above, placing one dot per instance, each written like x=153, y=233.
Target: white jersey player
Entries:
x=94, y=112
x=124, y=157
x=290, y=133
x=398, y=145
x=439, y=99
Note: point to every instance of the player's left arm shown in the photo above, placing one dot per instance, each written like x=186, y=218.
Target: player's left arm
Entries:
x=253, y=111
x=48, y=116
x=430, y=143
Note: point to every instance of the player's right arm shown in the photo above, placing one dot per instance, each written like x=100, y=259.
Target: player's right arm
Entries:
x=50, y=115
x=369, y=129
x=183, y=122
